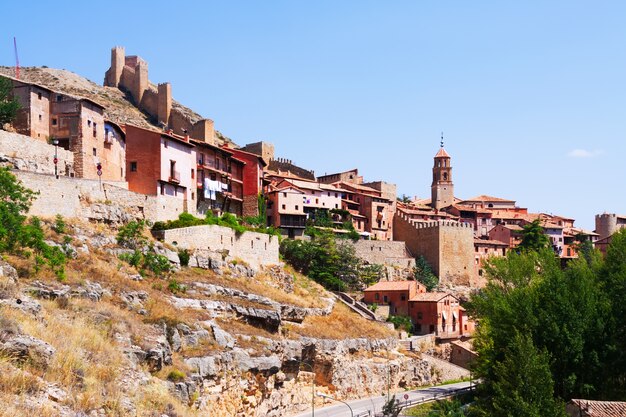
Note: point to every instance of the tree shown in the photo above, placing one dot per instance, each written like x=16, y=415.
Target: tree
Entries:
x=8, y=104
x=522, y=384
x=404, y=199
x=533, y=237
x=424, y=274
x=445, y=408
x=15, y=201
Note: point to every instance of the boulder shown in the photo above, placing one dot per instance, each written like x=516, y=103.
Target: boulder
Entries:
x=24, y=347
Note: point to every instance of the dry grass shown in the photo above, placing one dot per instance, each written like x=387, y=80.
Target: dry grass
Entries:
x=306, y=292
x=342, y=323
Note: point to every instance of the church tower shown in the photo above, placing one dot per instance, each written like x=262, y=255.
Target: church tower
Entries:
x=442, y=189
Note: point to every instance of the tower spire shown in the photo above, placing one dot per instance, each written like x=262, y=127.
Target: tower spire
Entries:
x=442, y=139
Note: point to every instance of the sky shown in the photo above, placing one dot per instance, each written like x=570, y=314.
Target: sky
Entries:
x=530, y=96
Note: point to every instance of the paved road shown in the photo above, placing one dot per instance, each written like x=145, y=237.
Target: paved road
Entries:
x=374, y=404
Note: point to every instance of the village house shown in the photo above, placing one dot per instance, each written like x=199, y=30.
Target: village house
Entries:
x=485, y=249
x=75, y=124
x=489, y=202
x=219, y=179
x=392, y=297
x=162, y=164
x=291, y=198
x=372, y=205
x=253, y=180
x=479, y=218
x=438, y=313
x=592, y=408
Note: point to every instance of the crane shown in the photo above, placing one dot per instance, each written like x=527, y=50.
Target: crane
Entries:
x=17, y=59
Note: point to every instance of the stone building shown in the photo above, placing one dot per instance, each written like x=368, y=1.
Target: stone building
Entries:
x=438, y=313
x=76, y=124
x=130, y=74
x=392, y=297
x=442, y=188
x=607, y=224
x=447, y=246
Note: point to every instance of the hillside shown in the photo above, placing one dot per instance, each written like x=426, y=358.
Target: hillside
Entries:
x=111, y=339
x=118, y=106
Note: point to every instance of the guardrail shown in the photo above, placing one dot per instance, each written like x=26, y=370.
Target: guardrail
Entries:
x=411, y=403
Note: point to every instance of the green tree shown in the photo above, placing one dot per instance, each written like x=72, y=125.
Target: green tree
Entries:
x=392, y=408
x=522, y=384
x=447, y=408
x=533, y=237
x=15, y=201
x=8, y=104
x=424, y=274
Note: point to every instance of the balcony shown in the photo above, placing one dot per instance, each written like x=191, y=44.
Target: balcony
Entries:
x=174, y=177
x=211, y=165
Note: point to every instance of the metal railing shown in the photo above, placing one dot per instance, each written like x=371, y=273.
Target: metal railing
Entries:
x=411, y=403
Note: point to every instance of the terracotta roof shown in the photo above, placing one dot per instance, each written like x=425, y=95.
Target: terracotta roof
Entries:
x=601, y=408
x=484, y=197
x=442, y=153
x=431, y=296
x=391, y=286
x=489, y=242
x=511, y=227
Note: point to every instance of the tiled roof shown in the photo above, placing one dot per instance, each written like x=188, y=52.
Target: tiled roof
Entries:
x=489, y=242
x=484, y=197
x=391, y=286
x=430, y=296
x=601, y=408
x=442, y=153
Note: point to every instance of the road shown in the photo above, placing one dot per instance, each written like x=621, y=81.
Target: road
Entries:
x=335, y=409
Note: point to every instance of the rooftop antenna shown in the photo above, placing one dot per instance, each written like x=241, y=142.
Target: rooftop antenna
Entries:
x=17, y=59
x=442, y=139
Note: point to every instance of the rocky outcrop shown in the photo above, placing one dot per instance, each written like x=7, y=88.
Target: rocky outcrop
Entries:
x=23, y=347
x=89, y=290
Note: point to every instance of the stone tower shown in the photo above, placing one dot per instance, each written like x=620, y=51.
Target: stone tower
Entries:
x=442, y=189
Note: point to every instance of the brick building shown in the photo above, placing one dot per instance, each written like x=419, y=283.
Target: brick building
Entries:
x=163, y=164
x=76, y=124
x=438, y=313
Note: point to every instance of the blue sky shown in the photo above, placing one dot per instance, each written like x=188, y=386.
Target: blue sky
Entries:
x=530, y=95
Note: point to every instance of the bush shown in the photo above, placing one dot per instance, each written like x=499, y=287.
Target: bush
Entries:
x=401, y=322
x=183, y=256
x=59, y=225
x=176, y=287
x=131, y=235
x=176, y=376
x=158, y=264
x=134, y=259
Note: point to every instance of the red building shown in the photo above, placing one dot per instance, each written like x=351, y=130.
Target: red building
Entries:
x=438, y=313
x=395, y=294
x=252, y=179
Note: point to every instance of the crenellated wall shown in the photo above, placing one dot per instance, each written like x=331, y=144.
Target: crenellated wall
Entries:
x=447, y=246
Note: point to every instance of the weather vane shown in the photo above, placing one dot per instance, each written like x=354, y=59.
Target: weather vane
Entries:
x=442, y=139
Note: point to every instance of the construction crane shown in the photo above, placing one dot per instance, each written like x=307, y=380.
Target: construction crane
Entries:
x=17, y=59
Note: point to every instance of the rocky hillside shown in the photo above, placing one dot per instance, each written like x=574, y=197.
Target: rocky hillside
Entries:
x=118, y=106
x=217, y=339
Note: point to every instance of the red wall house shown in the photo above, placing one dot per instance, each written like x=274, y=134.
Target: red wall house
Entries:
x=252, y=179
x=395, y=294
x=436, y=312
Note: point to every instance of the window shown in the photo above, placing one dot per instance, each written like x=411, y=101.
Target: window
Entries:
x=54, y=121
x=165, y=143
x=59, y=97
x=297, y=208
x=193, y=196
x=39, y=96
x=89, y=123
x=420, y=315
x=284, y=194
x=94, y=130
x=40, y=117
x=385, y=298
x=403, y=297
x=317, y=201
x=192, y=173
x=95, y=152
x=376, y=296
x=336, y=206
x=133, y=166
x=162, y=189
x=284, y=207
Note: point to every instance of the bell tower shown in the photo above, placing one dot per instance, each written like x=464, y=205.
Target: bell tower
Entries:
x=442, y=189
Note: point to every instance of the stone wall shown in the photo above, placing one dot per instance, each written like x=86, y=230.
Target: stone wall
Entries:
x=28, y=154
x=257, y=249
x=393, y=255
x=109, y=202
x=447, y=246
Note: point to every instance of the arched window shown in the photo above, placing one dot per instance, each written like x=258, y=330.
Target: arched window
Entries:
x=445, y=176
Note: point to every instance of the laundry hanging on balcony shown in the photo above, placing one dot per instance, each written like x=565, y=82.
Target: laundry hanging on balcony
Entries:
x=211, y=188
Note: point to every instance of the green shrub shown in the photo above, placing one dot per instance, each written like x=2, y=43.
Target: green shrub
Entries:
x=183, y=256
x=59, y=225
x=158, y=264
x=133, y=258
x=401, y=322
x=131, y=235
x=176, y=376
x=176, y=287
